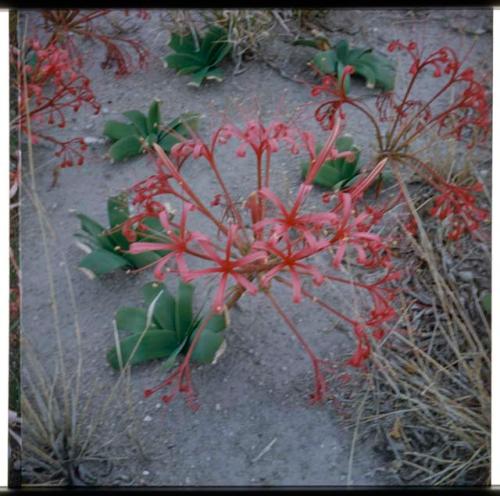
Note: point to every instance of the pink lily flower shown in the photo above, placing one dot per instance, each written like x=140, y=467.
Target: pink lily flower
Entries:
x=177, y=244
x=225, y=266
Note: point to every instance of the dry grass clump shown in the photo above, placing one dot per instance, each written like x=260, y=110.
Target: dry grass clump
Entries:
x=428, y=392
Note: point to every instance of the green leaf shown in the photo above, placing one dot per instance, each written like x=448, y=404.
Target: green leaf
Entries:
x=155, y=343
x=207, y=347
x=125, y=148
x=198, y=77
x=180, y=43
x=131, y=319
x=97, y=233
x=168, y=141
x=216, y=324
x=118, y=211
x=154, y=118
x=141, y=259
x=188, y=59
x=216, y=74
x=139, y=120
x=164, y=311
x=341, y=50
x=90, y=226
x=338, y=173
x=115, y=130
x=184, y=310
x=102, y=261
x=326, y=62
x=377, y=70
x=170, y=361
x=214, y=39
x=368, y=73
x=344, y=143
x=184, y=121
x=486, y=303
x=184, y=63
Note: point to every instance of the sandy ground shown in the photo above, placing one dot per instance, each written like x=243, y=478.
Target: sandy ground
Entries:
x=256, y=395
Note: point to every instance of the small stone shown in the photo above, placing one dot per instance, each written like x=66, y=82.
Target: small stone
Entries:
x=158, y=405
x=145, y=472
x=105, y=110
x=217, y=406
x=92, y=140
x=466, y=276
x=148, y=418
x=188, y=480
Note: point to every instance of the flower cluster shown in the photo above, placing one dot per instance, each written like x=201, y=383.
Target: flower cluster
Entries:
x=463, y=117
x=268, y=241
x=458, y=206
x=49, y=87
x=83, y=24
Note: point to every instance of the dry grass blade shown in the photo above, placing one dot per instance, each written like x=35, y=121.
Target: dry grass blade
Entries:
x=61, y=444
x=432, y=401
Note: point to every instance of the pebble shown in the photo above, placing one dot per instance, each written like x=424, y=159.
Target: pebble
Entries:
x=148, y=418
x=105, y=110
x=217, y=406
x=466, y=276
x=91, y=140
x=145, y=472
x=158, y=405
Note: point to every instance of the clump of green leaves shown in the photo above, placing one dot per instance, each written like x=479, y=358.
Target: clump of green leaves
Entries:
x=199, y=56
x=377, y=70
x=164, y=329
x=106, y=248
x=143, y=131
x=338, y=173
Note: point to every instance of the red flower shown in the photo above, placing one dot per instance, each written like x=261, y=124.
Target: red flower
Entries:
x=225, y=266
x=290, y=260
x=179, y=239
x=291, y=219
x=459, y=205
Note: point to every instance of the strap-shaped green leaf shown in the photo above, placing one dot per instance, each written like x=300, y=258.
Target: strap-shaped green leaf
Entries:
x=326, y=62
x=184, y=63
x=164, y=311
x=155, y=343
x=102, y=261
x=116, y=130
x=139, y=120
x=90, y=226
x=124, y=148
x=118, y=211
x=210, y=340
x=154, y=118
x=182, y=43
x=131, y=319
x=184, y=309
x=215, y=74
x=141, y=259
x=96, y=232
x=342, y=50
x=198, y=77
